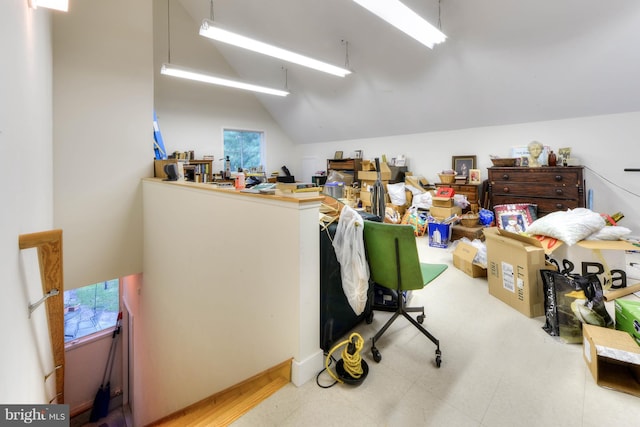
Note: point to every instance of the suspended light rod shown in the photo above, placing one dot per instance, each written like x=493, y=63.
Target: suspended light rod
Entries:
x=404, y=19
x=210, y=30
x=185, y=73
x=62, y=5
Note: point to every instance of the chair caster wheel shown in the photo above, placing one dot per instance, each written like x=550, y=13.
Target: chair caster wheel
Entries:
x=376, y=355
x=420, y=318
x=369, y=318
x=438, y=361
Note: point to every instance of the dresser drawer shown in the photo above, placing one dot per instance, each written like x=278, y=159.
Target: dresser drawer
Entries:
x=566, y=176
x=342, y=164
x=545, y=206
x=551, y=190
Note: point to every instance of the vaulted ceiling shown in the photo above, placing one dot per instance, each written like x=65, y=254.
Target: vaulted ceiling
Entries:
x=504, y=62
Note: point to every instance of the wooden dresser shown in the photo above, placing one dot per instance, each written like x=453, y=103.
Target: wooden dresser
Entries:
x=551, y=188
x=472, y=191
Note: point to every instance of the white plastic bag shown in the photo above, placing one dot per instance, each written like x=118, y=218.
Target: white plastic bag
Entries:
x=397, y=194
x=422, y=201
x=570, y=226
x=348, y=244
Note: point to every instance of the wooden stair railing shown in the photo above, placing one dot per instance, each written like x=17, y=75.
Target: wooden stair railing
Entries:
x=49, y=246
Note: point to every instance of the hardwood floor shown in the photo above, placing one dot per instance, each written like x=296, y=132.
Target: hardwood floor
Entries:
x=227, y=406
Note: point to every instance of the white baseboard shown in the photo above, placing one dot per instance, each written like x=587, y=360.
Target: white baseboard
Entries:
x=307, y=369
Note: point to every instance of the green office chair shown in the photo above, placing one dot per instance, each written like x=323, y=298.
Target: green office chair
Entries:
x=393, y=260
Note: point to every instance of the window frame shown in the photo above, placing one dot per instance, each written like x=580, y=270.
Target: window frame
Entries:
x=263, y=145
x=98, y=335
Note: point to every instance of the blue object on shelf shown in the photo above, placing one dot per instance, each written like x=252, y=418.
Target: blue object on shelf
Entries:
x=158, y=144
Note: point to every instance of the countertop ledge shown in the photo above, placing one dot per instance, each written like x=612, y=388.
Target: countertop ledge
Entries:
x=211, y=187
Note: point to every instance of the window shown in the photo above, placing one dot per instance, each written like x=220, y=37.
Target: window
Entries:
x=244, y=148
x=91, y=309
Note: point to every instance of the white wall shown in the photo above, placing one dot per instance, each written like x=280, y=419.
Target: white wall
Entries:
x=103, y=146
x=27, y=196
x=605, y=145
x=192, y=115
x=227, y=293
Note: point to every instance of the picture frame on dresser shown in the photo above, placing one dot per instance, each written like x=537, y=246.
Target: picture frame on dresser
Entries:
x=475, y=176
x=463, y=164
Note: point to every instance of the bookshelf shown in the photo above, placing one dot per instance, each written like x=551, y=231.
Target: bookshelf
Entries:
x=346, y=166
x=194, y=170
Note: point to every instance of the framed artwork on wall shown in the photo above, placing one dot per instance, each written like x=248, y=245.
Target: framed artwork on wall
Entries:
x=463, y=164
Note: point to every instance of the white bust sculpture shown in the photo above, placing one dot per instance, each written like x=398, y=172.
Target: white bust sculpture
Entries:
x=535, y=150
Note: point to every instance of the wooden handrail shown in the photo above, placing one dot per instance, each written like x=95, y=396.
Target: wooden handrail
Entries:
x=49, y=246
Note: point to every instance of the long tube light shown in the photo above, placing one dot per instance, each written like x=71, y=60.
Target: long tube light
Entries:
x=210, y=30
x=185, y=73
x=404, y=19
x=62, y=5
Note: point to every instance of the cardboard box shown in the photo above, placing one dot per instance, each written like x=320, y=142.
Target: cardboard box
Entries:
x=439, y=234
x=385, y=174
x=443, y=213
x=463, y=257
x=613, y=358
x=366, y=184
x=607, y=259
x=471, y=233
x=513, y=265
x=442, y=202
x=523, y=257
x=628, y=317
x=632, y=264
x=365, y=197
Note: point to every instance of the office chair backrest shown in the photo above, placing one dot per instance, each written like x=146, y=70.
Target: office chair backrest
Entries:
x=380, y=244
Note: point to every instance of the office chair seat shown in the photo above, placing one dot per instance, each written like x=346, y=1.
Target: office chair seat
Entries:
x=393, y=260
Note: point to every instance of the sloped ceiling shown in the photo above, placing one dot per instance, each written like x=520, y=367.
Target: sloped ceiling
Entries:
x=504, y=62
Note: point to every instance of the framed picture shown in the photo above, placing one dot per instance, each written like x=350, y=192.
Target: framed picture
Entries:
x=463, y=164
x=475, y=176
x=358, y=154
x=515, y=217
x=338, y=155
x=564, y=154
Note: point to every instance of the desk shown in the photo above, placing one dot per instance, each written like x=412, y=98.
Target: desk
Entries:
x=473, y=192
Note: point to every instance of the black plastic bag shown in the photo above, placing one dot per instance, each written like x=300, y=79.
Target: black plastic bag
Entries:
x=571, y=300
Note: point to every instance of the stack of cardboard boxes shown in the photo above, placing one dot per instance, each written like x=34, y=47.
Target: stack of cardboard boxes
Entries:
x=368, y=178
x=513, y=269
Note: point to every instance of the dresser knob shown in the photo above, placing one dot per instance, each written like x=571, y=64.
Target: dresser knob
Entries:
x=559, y=206
x=505, y=176
x=505, y=189
x=558, y=177
x=559, y=191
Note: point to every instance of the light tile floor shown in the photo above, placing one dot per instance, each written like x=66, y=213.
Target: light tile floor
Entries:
x=499, y=368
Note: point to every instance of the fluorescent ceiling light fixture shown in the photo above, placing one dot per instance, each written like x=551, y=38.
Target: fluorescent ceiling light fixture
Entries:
x=404, y=19
x=62, y=5
x=208, y=29
x=185, y=73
